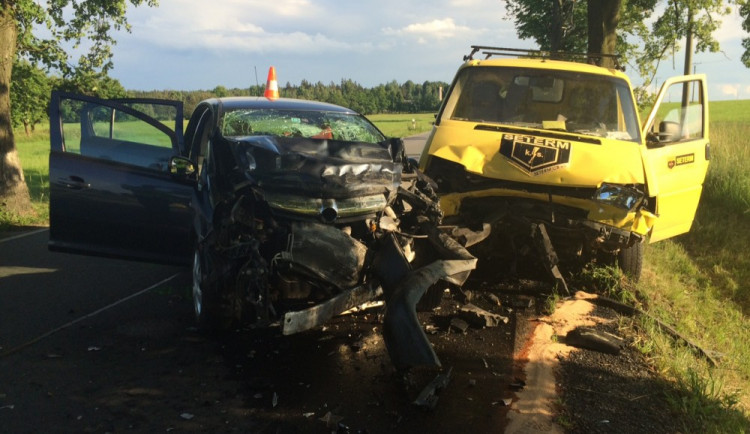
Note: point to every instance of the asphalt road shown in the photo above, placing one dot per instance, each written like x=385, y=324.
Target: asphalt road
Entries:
x=41, y=291
x=92, y=344
x=100, y=345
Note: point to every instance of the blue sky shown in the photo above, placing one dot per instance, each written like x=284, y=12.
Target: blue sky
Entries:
x=199, y=44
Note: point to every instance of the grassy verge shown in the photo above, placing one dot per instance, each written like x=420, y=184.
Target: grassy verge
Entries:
x=698, y=284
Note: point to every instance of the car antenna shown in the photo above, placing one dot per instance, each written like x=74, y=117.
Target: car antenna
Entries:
x=257, y=84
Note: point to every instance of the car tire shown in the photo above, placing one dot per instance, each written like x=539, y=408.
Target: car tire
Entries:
x=630, y=261
x=206, y=298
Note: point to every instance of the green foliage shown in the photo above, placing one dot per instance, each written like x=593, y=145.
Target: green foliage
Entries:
x=701, y=399
x=30, y=88
x=73, y=21
x=637, y=43
x=744, y=6
x=408, y=97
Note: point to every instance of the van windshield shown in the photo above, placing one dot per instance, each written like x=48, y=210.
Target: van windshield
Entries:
x=575, y=102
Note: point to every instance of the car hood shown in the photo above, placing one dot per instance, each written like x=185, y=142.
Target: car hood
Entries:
x=318, y=167
x=538, y=157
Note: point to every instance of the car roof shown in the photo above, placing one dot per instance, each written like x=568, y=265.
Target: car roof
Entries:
x=559, y=65
x=259, y=102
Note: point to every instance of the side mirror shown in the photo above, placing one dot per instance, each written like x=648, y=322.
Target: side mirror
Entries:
x=181, y=166
x=410, y=165
x=396, y=145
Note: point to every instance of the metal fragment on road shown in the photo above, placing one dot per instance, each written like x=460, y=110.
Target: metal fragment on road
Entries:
x=459, y=324
x=481, y=318
x=596, y=340
x=428, y=398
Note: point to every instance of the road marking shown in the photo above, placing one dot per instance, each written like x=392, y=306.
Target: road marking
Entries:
x=87, y=316
x=25, y=234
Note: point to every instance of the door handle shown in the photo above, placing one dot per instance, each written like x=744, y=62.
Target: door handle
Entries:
x=74, y=183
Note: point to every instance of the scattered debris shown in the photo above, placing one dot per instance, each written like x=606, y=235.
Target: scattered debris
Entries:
x=523, y=302
x=9, y=407
x=517, y=384
x=592, y=339
x=481, y=318
x=459, y=324
x=275, y=400
x=94, y=348
x=187, y=416
x=308, y=415
x=331, y=420
x=493, y=299
x=428, y=397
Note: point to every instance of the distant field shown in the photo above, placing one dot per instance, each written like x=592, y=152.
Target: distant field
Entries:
x=403, y=124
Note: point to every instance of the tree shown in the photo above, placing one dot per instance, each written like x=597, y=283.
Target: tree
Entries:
x=65, y=20
x=612, y=25
x=745, y=14
x=29, y=92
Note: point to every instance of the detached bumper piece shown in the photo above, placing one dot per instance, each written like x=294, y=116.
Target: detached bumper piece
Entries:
x=404, y=336
x=302, y=320
x=547, y=254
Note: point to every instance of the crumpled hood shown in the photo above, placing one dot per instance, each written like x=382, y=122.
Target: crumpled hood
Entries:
x=539, y=157
x=319, y=167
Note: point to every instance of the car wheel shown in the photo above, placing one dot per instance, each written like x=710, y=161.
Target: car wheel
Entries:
x=630, y=261
x=206, y=297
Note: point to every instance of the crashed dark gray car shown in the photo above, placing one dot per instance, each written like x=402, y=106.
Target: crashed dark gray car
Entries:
x=288, y=211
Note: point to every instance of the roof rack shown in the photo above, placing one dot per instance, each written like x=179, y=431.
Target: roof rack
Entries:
x=543, y=54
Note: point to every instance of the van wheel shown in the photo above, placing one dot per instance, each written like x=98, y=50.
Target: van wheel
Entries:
x=630, y=261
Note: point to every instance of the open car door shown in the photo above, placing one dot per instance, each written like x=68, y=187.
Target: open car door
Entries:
x=111, y=189
x=677, y=153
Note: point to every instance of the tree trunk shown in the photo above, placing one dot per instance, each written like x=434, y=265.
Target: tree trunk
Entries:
x=14, y=194
x=603, y=18
x=556, y=33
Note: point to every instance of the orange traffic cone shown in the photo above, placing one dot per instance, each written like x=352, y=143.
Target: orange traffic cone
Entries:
x=272, y=86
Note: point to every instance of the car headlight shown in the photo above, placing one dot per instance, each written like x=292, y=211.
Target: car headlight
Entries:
x=328, y=209
x=621, y=196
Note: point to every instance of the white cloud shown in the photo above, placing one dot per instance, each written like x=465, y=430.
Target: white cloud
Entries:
x=730, y=89
x=731, y=27
x=435, y=29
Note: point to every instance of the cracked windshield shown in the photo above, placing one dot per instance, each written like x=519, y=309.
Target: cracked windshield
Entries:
x=299, y=123
x=551, y=100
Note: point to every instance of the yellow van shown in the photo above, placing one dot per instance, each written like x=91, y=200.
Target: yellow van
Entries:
x=544, y=162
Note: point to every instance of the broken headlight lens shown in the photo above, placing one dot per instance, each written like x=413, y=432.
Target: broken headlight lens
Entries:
x=621, y=196
x=311, y=206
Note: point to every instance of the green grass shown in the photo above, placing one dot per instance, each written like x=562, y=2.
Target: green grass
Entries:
x=401, y=125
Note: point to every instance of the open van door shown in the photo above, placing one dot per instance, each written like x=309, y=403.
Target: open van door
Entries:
x=677, y=152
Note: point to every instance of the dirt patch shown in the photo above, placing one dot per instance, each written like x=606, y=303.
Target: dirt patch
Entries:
x=577, y=390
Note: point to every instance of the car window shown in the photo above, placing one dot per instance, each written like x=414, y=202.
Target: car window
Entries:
x=545, y=99
x=103, y=132
x=299, y=123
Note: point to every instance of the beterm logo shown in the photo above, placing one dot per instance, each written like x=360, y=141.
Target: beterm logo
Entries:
x=535, y=155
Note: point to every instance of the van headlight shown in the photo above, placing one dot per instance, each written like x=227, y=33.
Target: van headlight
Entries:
x=621, y=196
